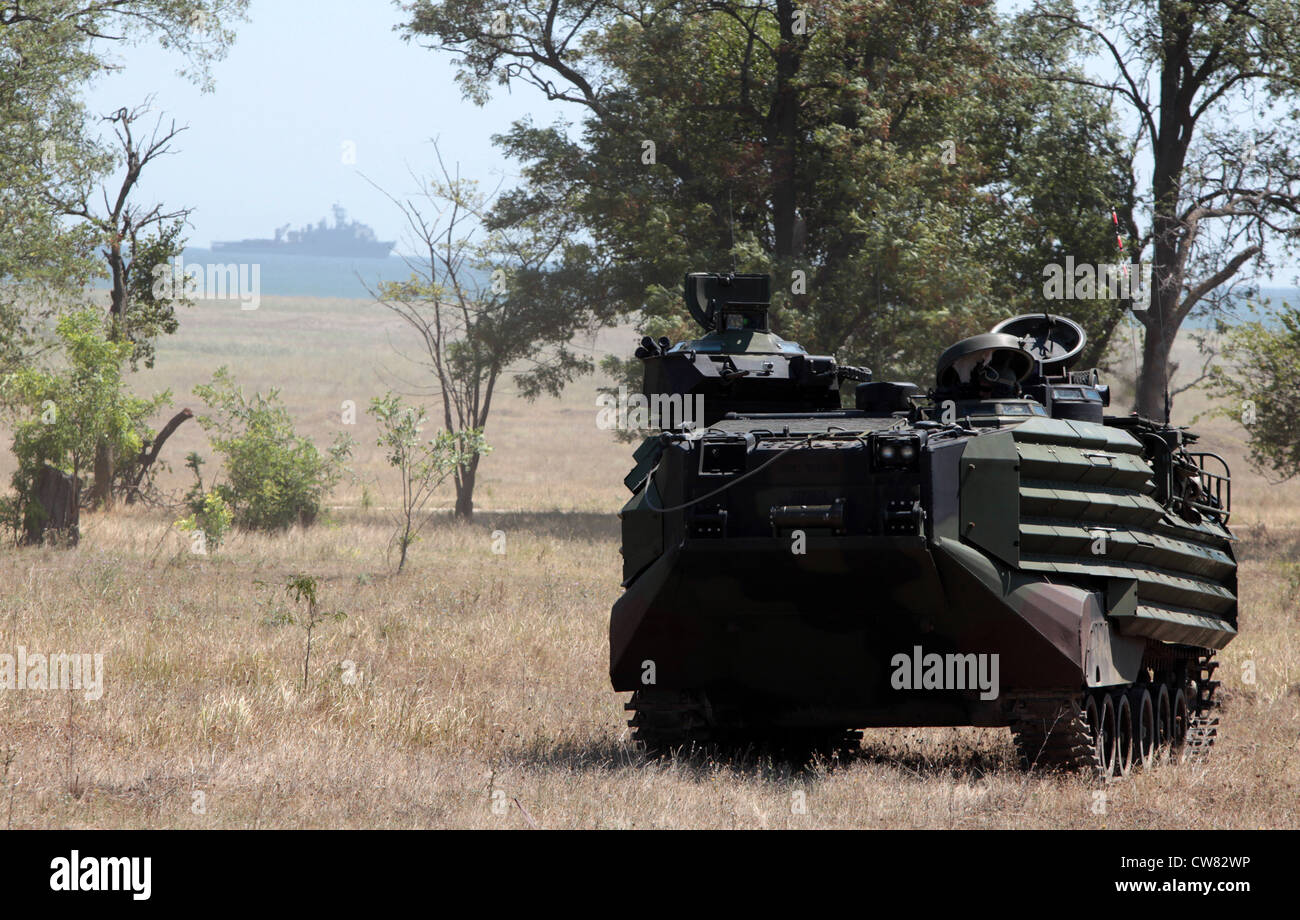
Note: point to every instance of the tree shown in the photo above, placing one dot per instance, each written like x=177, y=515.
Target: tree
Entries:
x=49, y=50
x=422, y=464
x=137, y=242
x=1189, y=72
x=305, y=589
x=1258, y=383
x=837, y=146
x=63, y=414
x=493, y=294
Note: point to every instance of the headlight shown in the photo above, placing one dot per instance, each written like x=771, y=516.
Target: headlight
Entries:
x=894, y=452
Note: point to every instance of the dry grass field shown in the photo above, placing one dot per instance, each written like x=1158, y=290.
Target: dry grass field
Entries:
x=471, y=691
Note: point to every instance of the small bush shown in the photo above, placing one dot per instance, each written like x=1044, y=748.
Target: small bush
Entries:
x=212, y=518
x=274, y=477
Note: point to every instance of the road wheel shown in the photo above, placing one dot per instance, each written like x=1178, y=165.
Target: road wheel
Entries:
x=1164, y=717
x=1106, y=732
x=1123, y=733
x=1181, y=720
x=1144, y=727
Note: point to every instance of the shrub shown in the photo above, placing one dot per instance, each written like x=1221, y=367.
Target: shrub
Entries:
x=210, y=515
x=274, y=477
x=213, y=520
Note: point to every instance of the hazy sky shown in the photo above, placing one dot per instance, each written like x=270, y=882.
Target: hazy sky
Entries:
x=306, y=82
x=304, y=78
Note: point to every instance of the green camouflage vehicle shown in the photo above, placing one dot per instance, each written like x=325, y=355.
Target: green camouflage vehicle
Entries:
x=995, y=552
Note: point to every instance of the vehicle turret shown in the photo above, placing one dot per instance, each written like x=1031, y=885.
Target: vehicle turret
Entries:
x=740, y=365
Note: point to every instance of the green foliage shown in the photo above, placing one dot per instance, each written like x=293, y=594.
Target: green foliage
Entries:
x=209, y=512
x=152, y=305
x=62, y=413
x=44, y=149
x=895, y=208
x=629, y=375
x=212, y=518
x=274, y=477
x=473, y=328
x=1258, y=383
x=423, y=464
x=302, y=588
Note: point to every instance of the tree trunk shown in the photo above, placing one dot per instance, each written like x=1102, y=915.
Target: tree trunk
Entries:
x=1153, y=378
x=57, y=509
x=782, y=134
x=1170, y=147
x=1160, y=320
x=406, y=544
x=101, y=494
x=465, y=490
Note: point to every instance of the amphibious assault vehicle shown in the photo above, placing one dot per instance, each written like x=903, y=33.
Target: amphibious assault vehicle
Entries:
x=995, y=551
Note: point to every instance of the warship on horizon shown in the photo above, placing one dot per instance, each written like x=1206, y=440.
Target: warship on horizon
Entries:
x=345, y=238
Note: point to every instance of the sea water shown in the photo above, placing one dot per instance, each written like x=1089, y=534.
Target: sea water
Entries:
x=283, y=275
